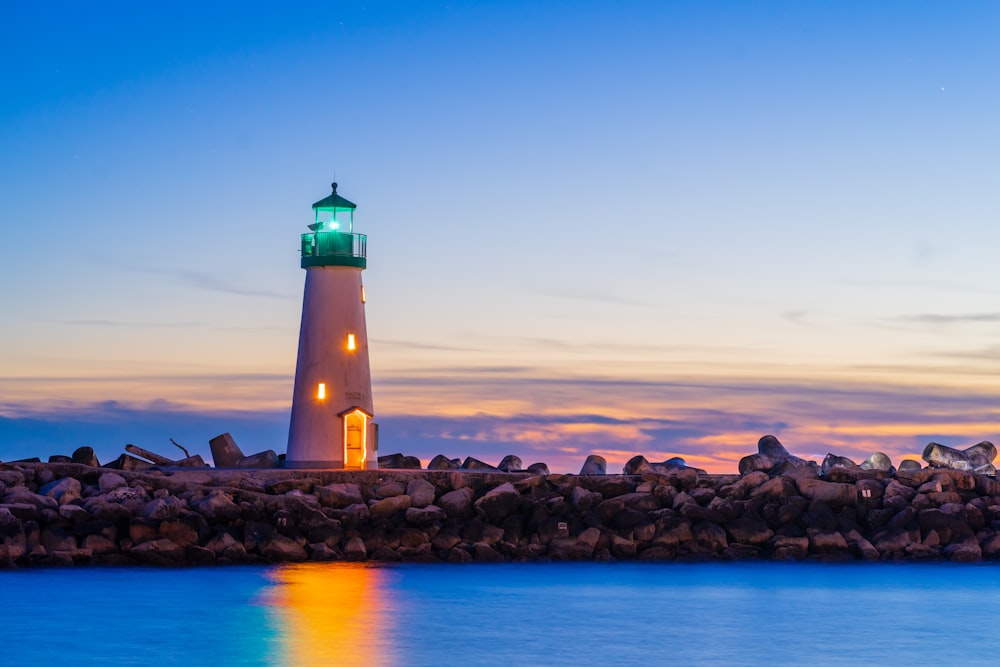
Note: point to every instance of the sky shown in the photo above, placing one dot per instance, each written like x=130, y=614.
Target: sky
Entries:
x=658, y=228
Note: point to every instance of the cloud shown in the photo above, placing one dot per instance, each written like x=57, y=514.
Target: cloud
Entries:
x=934, y=318
x=711, y=422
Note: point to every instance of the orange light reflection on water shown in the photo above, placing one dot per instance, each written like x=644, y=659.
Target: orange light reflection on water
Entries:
x=331, y=614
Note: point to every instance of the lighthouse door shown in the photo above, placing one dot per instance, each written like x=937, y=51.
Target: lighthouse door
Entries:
x=354, y=440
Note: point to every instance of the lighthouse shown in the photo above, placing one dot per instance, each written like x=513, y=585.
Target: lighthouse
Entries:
x=331, y=424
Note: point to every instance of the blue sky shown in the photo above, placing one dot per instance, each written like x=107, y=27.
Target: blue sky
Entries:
x=642, y=228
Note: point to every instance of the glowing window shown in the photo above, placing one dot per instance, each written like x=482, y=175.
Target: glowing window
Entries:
x=351, y=342
x=321, y=391
x=364, y=299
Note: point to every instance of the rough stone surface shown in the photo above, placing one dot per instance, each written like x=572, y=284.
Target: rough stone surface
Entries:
x=510, y=463
x=85, y=456
x=398, y=462
x=225, y=452
x=594, y=465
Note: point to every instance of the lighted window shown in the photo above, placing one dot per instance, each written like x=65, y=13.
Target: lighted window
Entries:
x=351, y=342
x=364, y=299
x=321, y=391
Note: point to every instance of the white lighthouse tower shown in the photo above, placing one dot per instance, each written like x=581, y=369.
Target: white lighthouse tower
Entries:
x=331, y=425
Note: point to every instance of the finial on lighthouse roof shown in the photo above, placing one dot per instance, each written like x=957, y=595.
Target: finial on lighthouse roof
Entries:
x=333, y=201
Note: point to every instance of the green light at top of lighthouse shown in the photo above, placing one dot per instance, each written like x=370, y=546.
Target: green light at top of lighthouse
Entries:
x=331, y=240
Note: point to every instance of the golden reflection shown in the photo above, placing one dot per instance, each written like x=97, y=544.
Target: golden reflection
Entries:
x=331, y=614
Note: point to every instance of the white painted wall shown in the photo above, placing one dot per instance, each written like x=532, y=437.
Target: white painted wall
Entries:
x=331, y=309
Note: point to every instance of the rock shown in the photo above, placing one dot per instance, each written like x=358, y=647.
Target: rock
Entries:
x=749, y=531
x=499, y=502
x=475, y=464
x=20, y=495
x=827, y=542
x=60, y=458
x=195, y=461
x=158, y=552
x=637, y=465
x=217, y=506
x=225, y=452
x=981, y=454
x=281, y=486
x=710, y=536
x=339, y=495
x=510, y=463
x=420, y=516
x=224, y=545
x=388, y=506
x=65, y=490
x=388, y=489
x=832, y=493
x=878, y=461
x=398, y=462
x=594, y=465
x=11, y=478
x=99, y=545
x=832, y=461
x=128, y=462
x=110, y=481
x=164, y=508
x=770, y=447
x=74, y=513
x=441, y=462
x=282, y=549
x=421, y=492
x=85, y=456
x=755, y=462
x=179, y=532
x=458, y=503
x=909, y=464
x=355, y=549
x=940, y=456
x=538, y=469
x=265, y=460
x=584, y=500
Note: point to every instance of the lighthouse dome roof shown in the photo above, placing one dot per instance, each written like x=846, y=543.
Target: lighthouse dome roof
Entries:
x=334, y=202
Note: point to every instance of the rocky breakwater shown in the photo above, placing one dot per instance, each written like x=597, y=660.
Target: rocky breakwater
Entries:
x=780, y=508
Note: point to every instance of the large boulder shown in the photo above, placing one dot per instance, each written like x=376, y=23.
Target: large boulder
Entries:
x=339, y=495
x=637, y=465
x=878, y=461
x=64, y=490
x=458, y=503
x=217, y=506
x=510, y=463
x=442, y=462
x=225, y=452
x=832, y=461
x=594, y=465
x=774, y=459
x=398, y=462
x=977, y=458
x=832, y=493
x=85, y=456
x=475, y=464
x=110, y=481
x=499, y=502
x=261, y=460
x=421, y=492
x=538, y=469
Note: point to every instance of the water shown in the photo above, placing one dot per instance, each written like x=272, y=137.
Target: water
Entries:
x=530, y=614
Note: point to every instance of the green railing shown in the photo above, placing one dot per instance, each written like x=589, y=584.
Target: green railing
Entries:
x=334, y=249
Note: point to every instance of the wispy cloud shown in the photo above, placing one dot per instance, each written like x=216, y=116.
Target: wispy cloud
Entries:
x=936, y=318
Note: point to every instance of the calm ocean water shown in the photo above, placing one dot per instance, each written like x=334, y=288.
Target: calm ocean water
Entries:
x=530, y=614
